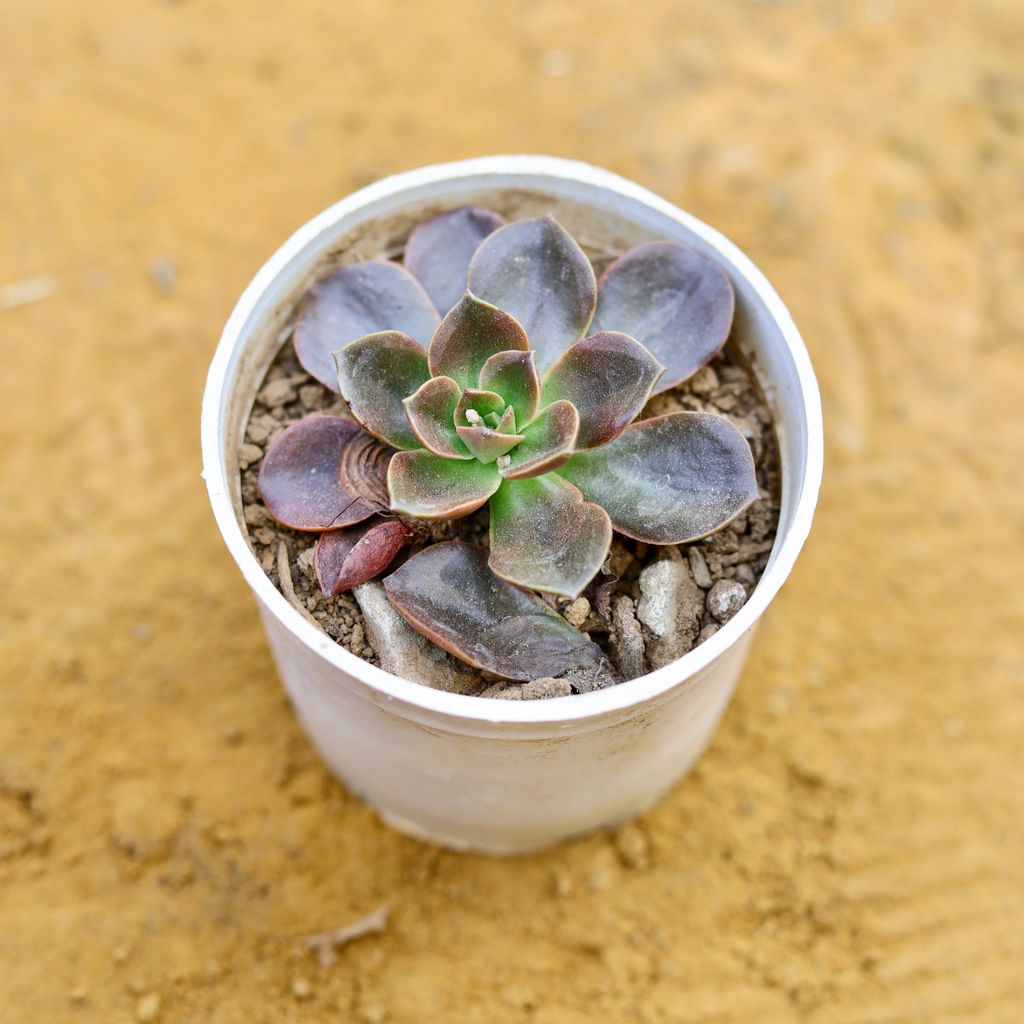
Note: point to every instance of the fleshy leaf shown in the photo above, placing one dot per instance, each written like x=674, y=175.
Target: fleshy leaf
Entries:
x=299, y=481
x=471, y=332
x=669, y=480
x=429, y=487
x=507, y=423
x=488, y=444
x=439, y=250
x=608, y=377
x=376, y=374
x=545, y=536
x=676, y=302
x=513, y=375
x=363, y=469
x=431, y=414
x=448, y=593
x=549, y=443
x=361, y=299
x=480, y=403
x=536, y=272
x=345, y=558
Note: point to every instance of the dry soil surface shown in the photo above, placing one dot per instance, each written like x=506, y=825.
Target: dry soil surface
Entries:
x=848, y=852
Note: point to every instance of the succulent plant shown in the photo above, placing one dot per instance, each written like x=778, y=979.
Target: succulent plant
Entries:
x=497, y=370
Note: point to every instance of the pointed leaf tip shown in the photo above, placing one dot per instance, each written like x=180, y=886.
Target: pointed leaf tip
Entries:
x=299, y=480
x=439, y=251
x=343, y=559
x=364, y=298
x=471, y=332
x=608, y=377
x=534, y=270
x=376, y=374
x=675, y=301
x=431, y=414
x=449, y=594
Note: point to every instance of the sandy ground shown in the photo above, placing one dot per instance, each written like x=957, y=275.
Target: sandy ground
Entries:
x=850, y=849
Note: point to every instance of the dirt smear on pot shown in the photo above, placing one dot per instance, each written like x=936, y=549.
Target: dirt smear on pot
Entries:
x=848, y=851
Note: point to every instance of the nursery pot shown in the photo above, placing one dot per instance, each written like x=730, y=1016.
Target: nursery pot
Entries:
x=484, y=774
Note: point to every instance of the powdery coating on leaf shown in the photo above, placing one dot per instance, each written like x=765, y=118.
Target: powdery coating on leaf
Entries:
x=488, y=443
x=299, y=480
x=439, y=250
x=669, y=480
x=363, y=469
x=537, y=272
x=429, y=487
x=549, y=442
x=513, y=375
x=483, y=403
x=376, y=374
x=431, y=414
x=676, y=302
x=608, y=377
x=345, y=558
x=471, y=332
x=362, y=299
x=545, y=536
x=448, y=593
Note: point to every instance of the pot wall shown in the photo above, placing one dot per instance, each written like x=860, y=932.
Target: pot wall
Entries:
x=503, y=776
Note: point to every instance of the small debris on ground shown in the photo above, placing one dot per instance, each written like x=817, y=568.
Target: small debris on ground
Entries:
x=164, y=275
x=24, y=293
x=148, y=1007
x=327, y=944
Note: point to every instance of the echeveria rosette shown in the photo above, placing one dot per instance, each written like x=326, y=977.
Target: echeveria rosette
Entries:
x=477, y=421
x=524, y=395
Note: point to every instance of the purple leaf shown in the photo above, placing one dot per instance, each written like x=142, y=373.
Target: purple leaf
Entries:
x=363, y=469
x=345, y=558
x=536, y=272
x=439, y=250
x=608, y=377
x=488, y=443
x=549, y=443
x=448, y=593
x=471, y=332
x=427, y=486
x=431, y=414
x=513, y=375
x=376, y=374
x=299, y=480
x=674, y=301
x=361, y=299
x=545, y=536
x=669, y=480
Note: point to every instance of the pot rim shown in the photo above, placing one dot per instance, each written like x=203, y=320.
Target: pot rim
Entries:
x=578, y=707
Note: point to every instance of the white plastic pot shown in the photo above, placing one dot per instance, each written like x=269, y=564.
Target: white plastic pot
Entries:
x=502, y=776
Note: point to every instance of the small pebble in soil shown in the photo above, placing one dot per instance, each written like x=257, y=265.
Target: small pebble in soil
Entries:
x=577, y=612
x=725, y=599
x=671, y=606
x=699, y=568
x=301, y=988
x=627, y=640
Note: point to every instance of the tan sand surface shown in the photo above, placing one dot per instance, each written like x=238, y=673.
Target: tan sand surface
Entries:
x=851, y=850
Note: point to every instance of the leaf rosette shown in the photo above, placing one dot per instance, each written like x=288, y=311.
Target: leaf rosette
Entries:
x=523, y=396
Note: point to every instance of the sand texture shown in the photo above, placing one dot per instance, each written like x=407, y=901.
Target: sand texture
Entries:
x=849, y=851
